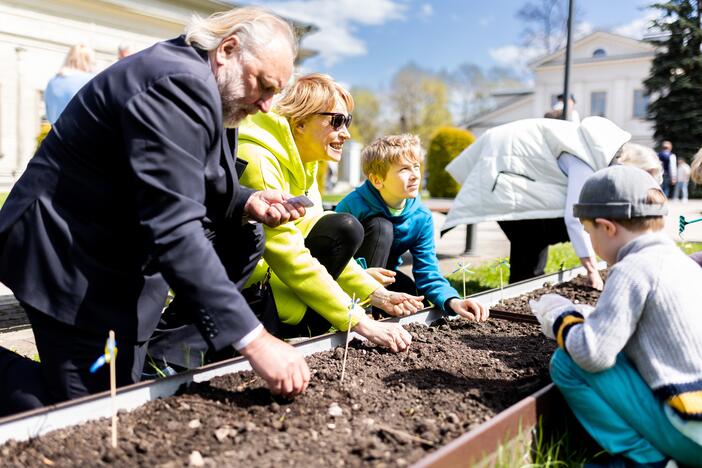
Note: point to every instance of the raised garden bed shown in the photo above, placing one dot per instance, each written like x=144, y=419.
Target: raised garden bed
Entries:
x=391, y=409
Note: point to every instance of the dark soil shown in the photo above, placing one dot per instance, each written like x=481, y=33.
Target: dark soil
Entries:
x=390, y=410
x=577, y=290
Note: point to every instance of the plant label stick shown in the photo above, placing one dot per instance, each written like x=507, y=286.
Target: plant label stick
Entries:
x=463, y=267
x=109, y=356
x=354, y=301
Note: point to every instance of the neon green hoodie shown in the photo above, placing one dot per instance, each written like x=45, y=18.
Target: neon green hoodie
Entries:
x=298, y=280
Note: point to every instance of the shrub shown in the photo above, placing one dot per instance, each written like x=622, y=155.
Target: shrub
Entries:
x=447, y=143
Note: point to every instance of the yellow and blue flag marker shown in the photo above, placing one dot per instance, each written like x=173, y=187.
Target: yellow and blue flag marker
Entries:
x=110, y=353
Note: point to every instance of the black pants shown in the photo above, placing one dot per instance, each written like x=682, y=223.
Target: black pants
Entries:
x=377, y=242
x=178, y=340
x=332, y=241
x=66, y=354
x=529, y=241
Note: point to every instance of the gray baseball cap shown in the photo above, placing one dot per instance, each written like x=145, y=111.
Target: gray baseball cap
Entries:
x=618, y=192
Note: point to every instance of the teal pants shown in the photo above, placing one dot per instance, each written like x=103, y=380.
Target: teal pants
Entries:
x=619, y=410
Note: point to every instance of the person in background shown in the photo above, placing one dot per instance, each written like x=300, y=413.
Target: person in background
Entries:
x=527, y=174
x=395, y=221
x=669, y=166
x=77, y=69
x=124, y=50
x=573, y=114
x=696, y=177
x=631, y=368
x=683, y=180
x=313, y=276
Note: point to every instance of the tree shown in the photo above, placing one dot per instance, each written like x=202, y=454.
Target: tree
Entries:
x=546, y=23
x=420, y=100
x=366, y=115
x=676, y=76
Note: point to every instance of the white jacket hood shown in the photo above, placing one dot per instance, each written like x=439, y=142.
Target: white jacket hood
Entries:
x=511, y=172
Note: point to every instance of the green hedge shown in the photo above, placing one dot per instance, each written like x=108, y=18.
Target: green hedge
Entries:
x=447, y=143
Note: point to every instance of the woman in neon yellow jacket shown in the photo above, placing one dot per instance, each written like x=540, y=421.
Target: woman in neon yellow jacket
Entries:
x=313, y=275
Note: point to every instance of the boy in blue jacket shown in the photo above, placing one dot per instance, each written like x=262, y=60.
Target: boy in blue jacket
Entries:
x=395, y=221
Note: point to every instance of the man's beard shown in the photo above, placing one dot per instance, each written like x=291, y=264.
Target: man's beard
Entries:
x=230, y=81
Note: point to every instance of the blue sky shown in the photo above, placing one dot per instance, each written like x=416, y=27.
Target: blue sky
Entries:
x=364, y=42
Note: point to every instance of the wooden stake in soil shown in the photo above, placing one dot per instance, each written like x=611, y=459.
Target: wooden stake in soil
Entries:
x=109, y=357
x=352, y=306
x=463, y=267
x=499, y=267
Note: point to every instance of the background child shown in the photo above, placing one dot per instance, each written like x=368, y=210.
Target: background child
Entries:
x=395, y=221
x=631, y=368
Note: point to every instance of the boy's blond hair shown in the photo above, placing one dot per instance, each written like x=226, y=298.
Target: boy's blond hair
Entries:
x=377, y=157
x=311, y=94
x=653, y=223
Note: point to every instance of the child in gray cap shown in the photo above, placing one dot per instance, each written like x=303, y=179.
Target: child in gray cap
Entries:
x=631, y=368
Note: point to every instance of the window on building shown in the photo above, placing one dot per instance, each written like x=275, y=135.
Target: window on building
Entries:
x=640, y=104
x=599, y=53
x=598, y=103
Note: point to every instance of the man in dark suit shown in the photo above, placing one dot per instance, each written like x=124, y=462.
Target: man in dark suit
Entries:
x=118, y=202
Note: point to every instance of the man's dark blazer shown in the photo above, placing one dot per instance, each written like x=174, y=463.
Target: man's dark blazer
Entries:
x=111, y=209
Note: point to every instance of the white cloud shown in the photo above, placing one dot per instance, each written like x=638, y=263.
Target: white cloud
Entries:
x=426, y=10
x=337, y=21
x=636, y=28
x=515, y=57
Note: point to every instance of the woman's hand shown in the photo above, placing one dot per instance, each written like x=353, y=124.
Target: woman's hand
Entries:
x=387, y=335
x=272, y=208
x=381, y=275
x=469, y=309
x=395, y=303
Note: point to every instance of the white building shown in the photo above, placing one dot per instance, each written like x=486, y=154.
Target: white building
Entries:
x=607, y=77
x=36, y=34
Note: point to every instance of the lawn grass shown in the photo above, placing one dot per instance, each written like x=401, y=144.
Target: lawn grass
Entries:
x=3, y=197
x=560, y=256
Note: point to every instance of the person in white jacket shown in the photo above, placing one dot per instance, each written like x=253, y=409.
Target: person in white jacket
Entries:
x=528, y=174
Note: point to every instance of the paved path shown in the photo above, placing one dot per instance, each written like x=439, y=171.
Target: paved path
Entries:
x=490, y=244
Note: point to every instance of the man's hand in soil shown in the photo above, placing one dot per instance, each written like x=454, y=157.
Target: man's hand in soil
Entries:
x=381, y=275
x=469, y=309
x=593, y=275
x=271, y=207
x=395, y=303
x=387, y=335
x=279, y=364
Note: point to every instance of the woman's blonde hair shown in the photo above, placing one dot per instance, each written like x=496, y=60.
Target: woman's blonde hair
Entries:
x=255, y=28
x=311, y=94
x=632, y=154
x=696, y=167
x=79, y=57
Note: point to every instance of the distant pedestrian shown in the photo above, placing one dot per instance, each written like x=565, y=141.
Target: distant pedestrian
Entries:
x=77, y=69
x=667, y=158
x=124, y=50
x=696, y=167
x=683, y=179
x=572, y=115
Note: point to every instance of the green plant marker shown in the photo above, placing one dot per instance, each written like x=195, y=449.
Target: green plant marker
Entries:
x=684, y=222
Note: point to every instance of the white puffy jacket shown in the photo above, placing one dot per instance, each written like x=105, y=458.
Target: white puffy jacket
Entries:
x=511, y=172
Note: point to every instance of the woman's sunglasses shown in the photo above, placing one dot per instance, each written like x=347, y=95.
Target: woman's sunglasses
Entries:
x=338, y=119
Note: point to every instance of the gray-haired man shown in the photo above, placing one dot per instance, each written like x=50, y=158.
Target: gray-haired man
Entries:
x=115, y=206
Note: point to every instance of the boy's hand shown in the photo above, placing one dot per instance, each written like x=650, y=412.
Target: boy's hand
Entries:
x=395, y=303
x=381, y=275
x=387, y=335
x=547, y=309
x=469, y=309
